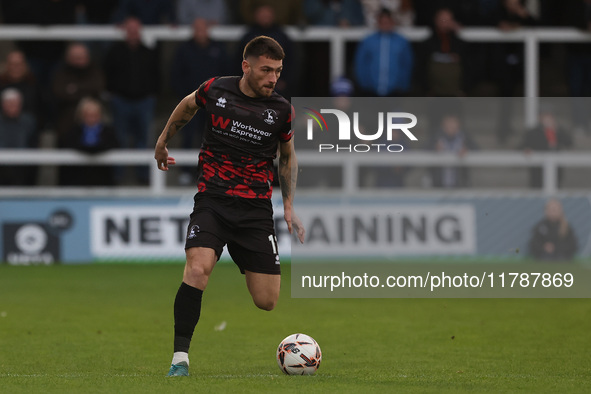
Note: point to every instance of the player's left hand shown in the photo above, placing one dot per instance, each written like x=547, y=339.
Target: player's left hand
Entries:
x=298, y=227
x=162, y=158
x=294, y=223
x=169, y=162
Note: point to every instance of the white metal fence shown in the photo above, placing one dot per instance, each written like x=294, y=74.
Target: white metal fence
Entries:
x=350, y=163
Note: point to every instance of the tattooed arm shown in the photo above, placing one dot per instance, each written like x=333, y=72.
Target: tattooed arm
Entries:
x=288, y=174
x=181, y=115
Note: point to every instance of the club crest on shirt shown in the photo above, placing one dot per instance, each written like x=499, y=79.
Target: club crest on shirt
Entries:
x=221, y=102
x=193, y=232
x=269, y=116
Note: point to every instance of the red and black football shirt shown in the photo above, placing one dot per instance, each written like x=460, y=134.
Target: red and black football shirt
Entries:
x=241, y=139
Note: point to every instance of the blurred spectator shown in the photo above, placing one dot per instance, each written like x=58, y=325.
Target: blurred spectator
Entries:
x=17, y=129
x=76, y=78
x=195, y=61
x=488, y=13
x=509, y=65
x=551, y=12
x=384, y=60
x=132, y=75
x=402, y=11
x=265, y=24
x=577, y=13
x=546, y=136
x=90, y=135
x=42, y=56
x=514, y=14
x=98, y=12
x=323, y=176
x=42, y=12
x=17, y=126
x=467, y=12
x=341, y=13
x=215, y=12
x=342, y=87
x=285, y=12
x=18, y=75
x=442, y=58
x=481, y=66
x=315, y=67
x=453, y=139
x=383, y=177
x=148, y=12
x=552, y=238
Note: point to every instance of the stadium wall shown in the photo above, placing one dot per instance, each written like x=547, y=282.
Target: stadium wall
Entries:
x=132, y=229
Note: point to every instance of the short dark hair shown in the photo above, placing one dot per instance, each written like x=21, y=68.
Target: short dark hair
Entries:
x=384, y=12
x=263, y=46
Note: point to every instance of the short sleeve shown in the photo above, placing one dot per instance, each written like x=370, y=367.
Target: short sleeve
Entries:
x=201, y=93
x=287, y=129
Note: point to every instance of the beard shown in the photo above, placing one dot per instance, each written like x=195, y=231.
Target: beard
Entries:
x=260, y=90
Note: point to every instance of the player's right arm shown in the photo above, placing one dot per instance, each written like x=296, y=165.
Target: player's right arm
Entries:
x=182, y=114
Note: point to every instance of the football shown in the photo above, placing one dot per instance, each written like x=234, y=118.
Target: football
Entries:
x=299, y=354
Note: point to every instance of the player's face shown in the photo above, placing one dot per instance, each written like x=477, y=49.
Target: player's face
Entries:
x=261, y=75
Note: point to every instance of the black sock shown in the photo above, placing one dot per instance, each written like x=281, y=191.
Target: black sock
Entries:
x=187, y=308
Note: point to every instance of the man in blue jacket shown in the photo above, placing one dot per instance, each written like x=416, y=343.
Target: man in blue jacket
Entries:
x=383, y=61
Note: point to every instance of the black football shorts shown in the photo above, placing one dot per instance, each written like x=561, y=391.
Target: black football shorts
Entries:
x=245, y=225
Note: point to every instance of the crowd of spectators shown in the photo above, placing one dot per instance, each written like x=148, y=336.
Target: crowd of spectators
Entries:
x=46, y=82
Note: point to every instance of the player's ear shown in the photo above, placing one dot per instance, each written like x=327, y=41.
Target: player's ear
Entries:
x=245, y=66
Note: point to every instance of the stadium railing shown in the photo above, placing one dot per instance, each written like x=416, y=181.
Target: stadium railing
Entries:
x=549, y=162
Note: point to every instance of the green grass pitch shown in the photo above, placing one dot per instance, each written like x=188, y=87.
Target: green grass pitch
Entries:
x=108, y=328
